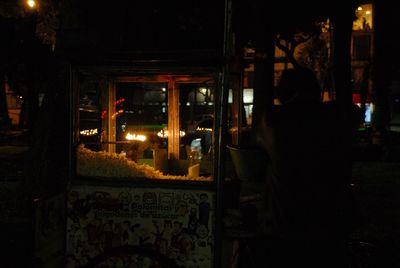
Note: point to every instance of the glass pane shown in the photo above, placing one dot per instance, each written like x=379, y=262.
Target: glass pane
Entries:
x=363, y=20
x=362, y=43
x=89, y=114
x=141, y=116
x=248, y=101
x=196, y=123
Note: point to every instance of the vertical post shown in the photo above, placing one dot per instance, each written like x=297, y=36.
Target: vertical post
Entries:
x=173, y=120
x=111, y=118
x=220, y=128
x=70, y=79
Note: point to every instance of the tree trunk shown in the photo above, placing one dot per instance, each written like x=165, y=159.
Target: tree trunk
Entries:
x=342, y=22
x=263, y=68
x=342, y=25
x=384, y=63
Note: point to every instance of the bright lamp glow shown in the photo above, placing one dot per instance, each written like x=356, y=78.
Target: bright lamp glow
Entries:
x=31, y=3
x=163, y=133
x=135, y=137
x=204, y=129
x=89, y=132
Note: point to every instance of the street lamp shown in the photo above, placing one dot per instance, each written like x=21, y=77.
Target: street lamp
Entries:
x=32, y=4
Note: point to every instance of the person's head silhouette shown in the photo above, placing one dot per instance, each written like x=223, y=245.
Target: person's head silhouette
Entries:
x=299, y=84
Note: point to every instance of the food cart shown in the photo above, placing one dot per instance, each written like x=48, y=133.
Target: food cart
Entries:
x=146, y=163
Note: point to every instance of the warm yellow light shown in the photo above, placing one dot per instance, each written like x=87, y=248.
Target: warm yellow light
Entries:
x=117, y=113
x=325, y=96
x=277, y=101
x=89, y=132
x=135, y=137
x=164, y=133
x=203, y=91
x=368, y=12
x=359, y=8
x=204, y=129
x=31, y=3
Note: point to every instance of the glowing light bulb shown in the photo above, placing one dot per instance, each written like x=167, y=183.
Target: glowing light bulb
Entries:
x=31, y=3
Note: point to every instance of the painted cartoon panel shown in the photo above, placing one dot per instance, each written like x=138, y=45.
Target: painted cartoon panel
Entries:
x=49, y=230
x=178, y=224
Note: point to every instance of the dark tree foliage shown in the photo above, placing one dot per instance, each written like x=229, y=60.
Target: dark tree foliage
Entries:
x=145, y=25
x=284, y=18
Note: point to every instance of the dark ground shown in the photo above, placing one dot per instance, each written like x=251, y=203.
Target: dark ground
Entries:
x=377, y=191
x=378, y=195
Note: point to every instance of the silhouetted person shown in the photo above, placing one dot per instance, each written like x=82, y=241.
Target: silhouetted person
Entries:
x=305, y=142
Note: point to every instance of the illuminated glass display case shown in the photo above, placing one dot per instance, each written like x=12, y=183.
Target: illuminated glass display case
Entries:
x=155, y=126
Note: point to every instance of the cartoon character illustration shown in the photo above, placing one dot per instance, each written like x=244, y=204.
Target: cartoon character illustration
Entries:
x=189, y=197
x=166, y=199
x=204, y=210
x=125, y=198
x=181, y=208
x=160, y=243
x=167, y=231
x=129, y=234
x=202, y=235
x=193, y=221
x=93, y=229
x=104, y=201
x=108, y=234
x=150, y=198
x=78, y=208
